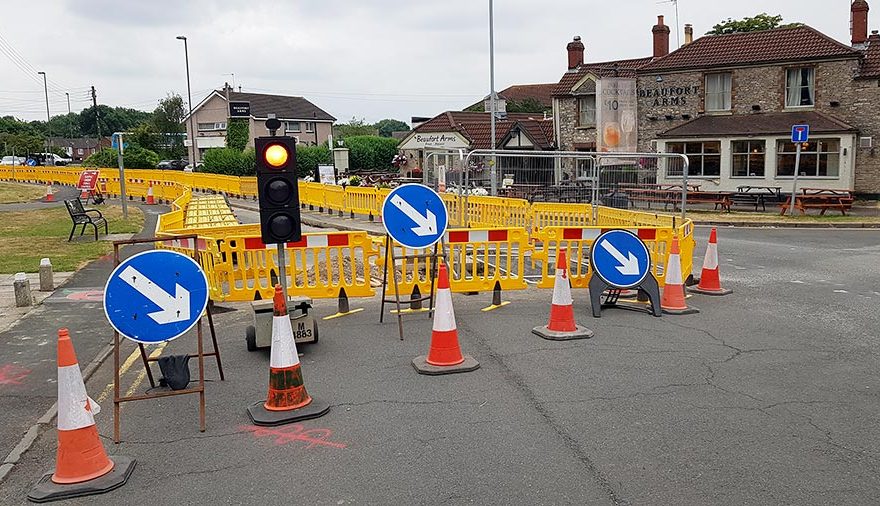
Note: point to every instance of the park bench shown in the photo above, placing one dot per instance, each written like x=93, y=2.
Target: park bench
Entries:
x=820, y=198
x=81, y=216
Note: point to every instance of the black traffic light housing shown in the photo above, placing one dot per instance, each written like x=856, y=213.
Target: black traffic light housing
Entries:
x=278, y=190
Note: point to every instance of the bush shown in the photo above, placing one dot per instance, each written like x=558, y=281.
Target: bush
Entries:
x=309, y=157
x=230, y=161
x=134, y=157
x=238, y=133
x=370, y=153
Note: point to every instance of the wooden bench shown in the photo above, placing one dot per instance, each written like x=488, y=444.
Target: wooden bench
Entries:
x=820, y=198
x=81, y=216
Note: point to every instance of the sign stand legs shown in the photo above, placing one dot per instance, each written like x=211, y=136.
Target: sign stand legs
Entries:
x=648, y=287
x=432, y=271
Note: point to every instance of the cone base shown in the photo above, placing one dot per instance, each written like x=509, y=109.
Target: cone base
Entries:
x=46, y=490
x=552, y=335
x=261, y=416
x=697, y=289
x=687, y=310
x=423, y=367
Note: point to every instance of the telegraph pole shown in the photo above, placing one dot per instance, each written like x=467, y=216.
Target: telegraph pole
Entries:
x=97, y=116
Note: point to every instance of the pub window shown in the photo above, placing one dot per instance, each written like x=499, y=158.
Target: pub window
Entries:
x=704, y=158
x=748, y=158
x=800, y=87
x=587, y=111
x=718, y=92
x=292, y=126
x=819, y=158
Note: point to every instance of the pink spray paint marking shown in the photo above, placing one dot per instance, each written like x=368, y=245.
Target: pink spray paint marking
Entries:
x=295, y=432
x=12, y=374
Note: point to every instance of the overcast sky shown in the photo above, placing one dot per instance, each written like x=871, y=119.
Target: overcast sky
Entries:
x=369, y=59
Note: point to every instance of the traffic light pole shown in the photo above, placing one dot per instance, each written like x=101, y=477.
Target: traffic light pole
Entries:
x=282, y=269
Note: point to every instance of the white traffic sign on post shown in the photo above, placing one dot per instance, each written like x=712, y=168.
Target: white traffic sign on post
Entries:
x=414, y=216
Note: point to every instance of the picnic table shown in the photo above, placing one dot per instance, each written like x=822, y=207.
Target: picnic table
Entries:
x=757, y=196
x=820, y=198
x=665, y=194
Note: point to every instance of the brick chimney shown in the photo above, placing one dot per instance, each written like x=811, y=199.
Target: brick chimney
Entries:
x=661, y=38
x=688, y=33
x=575, y=53
x=859, y=22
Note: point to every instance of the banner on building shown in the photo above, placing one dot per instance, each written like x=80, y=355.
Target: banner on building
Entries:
x=616, y=121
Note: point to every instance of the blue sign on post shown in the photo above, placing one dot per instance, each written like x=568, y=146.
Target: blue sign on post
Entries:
x=620, y=259
x=155, y=296
x=414, y=216
x=800, y=133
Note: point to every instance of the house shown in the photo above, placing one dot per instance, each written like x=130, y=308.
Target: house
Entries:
x=301, y=119
x=518, y=94
x=79, y=148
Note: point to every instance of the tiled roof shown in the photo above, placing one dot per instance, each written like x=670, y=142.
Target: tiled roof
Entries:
x=282, y=106
x=476, y=126
x=766, y=46
x=775, y=123
x=519, y=92
x=625, y=68
x=871, y=62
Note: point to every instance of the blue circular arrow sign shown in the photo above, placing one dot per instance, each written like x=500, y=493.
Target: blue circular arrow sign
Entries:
x=414, y=216
x=155, y=296
x=620, y=258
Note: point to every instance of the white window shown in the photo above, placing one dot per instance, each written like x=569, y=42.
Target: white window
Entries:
x=704, y=158
x=718, y=92
x=819, y=158
x=587, y=111
x=79, y=151
x=748, y=158
x=310, y=127
x=212, y=127
x=800, y=87
x=293, y=126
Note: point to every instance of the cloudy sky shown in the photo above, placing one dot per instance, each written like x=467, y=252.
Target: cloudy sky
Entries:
x=354, y=58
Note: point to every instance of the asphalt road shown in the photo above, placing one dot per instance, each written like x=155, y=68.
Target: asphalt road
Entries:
x=768, y=396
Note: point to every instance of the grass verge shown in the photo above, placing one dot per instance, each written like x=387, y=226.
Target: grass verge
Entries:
x=13, y=193
x=28, y=236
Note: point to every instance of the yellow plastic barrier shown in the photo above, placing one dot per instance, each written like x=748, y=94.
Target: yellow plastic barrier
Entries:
x=549, y=214
x=319, y=266
x=334, y=198
x=497, y=212
x=361, y=201
x=481, y=258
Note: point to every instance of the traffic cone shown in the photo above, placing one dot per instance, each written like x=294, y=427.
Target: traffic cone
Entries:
x=84, y=194
x=672, y=301
x=50, y=196
x=150, y=199
x=562, y=326
x=710, y=279
x=444, y=355
x=81, y=464
x=287, y=401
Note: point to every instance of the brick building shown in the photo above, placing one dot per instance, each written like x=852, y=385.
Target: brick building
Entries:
x=729, y=102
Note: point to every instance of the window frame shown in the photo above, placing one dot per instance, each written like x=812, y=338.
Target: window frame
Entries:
x=580, y=123
x=818, y=154
x=310, y=126
x=725, y=94
x=288, y=129
x=748, y=153
x=218, y=126
x=811, y=86
x=694, y=156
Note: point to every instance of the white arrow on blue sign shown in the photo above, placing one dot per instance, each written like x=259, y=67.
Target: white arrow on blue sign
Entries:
x=414, y=216
x=620, y=258
x=800, y=133
x=155, y=296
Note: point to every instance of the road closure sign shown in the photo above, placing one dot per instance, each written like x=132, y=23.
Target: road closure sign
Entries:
x=88, y=180
x=620, y=259
x=414, y=216
x=155, y=296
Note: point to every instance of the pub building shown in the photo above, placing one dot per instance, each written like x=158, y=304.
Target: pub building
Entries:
x=729, y=102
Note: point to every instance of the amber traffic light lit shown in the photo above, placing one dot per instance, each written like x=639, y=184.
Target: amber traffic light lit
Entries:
x=276, y=155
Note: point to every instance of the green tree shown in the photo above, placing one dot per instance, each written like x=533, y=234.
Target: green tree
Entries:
x=134, y=157
x=370, y=153
x=309, y=157
x=527, y=105
x=352, y=128
x=166, y=122
x=760, y=22
x=385, y=127
x=112, y=119
x=238, y=133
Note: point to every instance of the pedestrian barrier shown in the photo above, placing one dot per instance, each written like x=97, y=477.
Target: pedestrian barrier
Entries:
x=481, y=258
x=497, y=212
x=361, y=200
x=549, y=214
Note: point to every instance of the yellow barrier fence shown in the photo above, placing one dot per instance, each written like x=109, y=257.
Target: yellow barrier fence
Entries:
x=549, y=214
x=363, y=201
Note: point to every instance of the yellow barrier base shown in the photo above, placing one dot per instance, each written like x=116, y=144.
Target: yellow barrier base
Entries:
x=493, y=307
x=410, y=310
x=338, y=315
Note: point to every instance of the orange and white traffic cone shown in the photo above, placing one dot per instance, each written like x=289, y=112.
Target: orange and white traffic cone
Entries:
x=562, y=325
x=84, y=194
x=151, y=200
x=444, y=356
x=81, y=464
x=710, y=279
x=50, y=195
x=287, y=401
x=673, y=299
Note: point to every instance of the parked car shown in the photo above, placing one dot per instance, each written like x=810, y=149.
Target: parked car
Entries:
x=189, y=167
x=172, y=164
x=13, y=160
x=49, y=159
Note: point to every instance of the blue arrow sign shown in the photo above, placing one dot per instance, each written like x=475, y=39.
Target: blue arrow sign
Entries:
x=800, y=133
x=620, y=258
x=414, y=216
x=155, y=296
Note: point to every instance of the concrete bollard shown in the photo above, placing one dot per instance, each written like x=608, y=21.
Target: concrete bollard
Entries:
x=22, y=288
x=47, y=284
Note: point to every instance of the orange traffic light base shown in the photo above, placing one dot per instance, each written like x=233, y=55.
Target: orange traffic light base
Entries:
x=46, y=490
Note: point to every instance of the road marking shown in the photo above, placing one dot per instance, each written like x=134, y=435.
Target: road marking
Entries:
x=840, y=291
x=125, y=367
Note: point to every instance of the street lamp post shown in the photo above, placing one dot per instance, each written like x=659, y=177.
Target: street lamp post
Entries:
x=69, y=125
x=493, y=170
x=48, y=119
x=192, y=127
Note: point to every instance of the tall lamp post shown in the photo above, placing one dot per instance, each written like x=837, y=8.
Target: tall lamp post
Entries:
x=192, y=127
x=493, y=169
x=48, y=132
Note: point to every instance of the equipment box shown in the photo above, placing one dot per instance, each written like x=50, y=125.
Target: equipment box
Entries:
x=305, y=328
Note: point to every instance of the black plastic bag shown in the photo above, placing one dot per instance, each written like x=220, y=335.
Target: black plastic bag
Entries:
x=175, y=371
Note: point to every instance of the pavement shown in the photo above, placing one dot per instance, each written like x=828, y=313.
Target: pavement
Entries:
x=768, y=396
x=9, y=313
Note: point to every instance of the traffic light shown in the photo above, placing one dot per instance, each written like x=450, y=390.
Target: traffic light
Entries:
x=277, y=189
